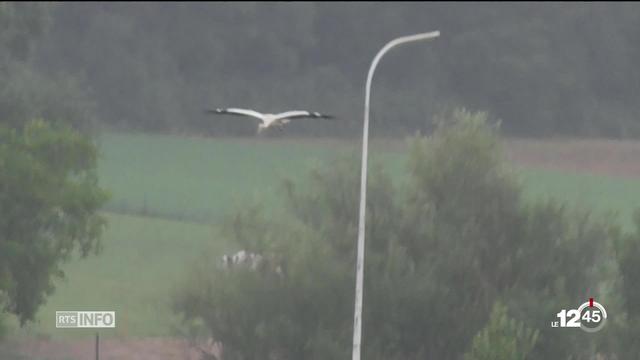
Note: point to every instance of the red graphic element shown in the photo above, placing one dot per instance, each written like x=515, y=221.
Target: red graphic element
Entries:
x=590, y=302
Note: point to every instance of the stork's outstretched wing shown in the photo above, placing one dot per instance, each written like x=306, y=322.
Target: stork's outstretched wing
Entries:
x=301, y=114
x=236, y=111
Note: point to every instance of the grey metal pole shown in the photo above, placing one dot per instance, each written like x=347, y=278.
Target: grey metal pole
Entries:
x=357, y=318
x=97, y=346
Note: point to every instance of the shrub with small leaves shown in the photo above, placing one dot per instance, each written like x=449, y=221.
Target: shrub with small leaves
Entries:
x=503, y=338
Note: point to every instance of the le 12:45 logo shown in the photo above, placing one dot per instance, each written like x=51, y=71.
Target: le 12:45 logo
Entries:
x=590, y=317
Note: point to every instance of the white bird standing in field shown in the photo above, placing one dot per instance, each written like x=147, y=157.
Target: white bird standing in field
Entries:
x=253, y=261
x=271, y=120
x=240, y=258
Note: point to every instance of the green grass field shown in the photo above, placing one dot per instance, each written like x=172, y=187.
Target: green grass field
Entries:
x=202, y=179
x=143, y=258
x=596, y=192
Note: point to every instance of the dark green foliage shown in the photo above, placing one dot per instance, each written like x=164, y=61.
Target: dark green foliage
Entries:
x=563, y=68
x=629, y=263
x=21, y=25
x=48, y=201
x=258, y=314
x=629, y=255
x=545, y=68
x=48, y=184
x=29, y=91
x=440, y=253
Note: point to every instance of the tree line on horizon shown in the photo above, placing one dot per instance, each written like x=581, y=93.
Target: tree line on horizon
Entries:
x=543, y=69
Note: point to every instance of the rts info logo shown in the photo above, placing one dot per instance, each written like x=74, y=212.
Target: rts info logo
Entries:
x=85, y=319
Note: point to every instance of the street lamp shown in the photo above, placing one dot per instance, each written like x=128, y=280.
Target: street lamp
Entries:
x=357, y=318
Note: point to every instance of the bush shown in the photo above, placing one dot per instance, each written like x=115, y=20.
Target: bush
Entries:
x=503, y=338
x=440, y=253
x=259, y=314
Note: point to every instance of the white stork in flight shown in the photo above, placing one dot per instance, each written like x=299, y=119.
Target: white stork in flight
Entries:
x=271, y=120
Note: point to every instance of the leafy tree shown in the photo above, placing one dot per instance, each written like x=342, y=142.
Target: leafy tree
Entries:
x=441, y=251
x=256, y=314
x=48, y=186
x=467, y=218
x=49, y=196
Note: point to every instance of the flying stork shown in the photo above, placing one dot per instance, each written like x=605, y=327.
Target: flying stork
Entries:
x=271, y=120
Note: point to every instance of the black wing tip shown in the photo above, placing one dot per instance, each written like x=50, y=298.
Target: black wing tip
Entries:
x=322, y=116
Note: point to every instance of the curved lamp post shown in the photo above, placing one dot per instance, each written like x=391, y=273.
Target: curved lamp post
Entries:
x=357, y=318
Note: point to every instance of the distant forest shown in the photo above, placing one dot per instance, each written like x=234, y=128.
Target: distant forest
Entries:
x=543, y=69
